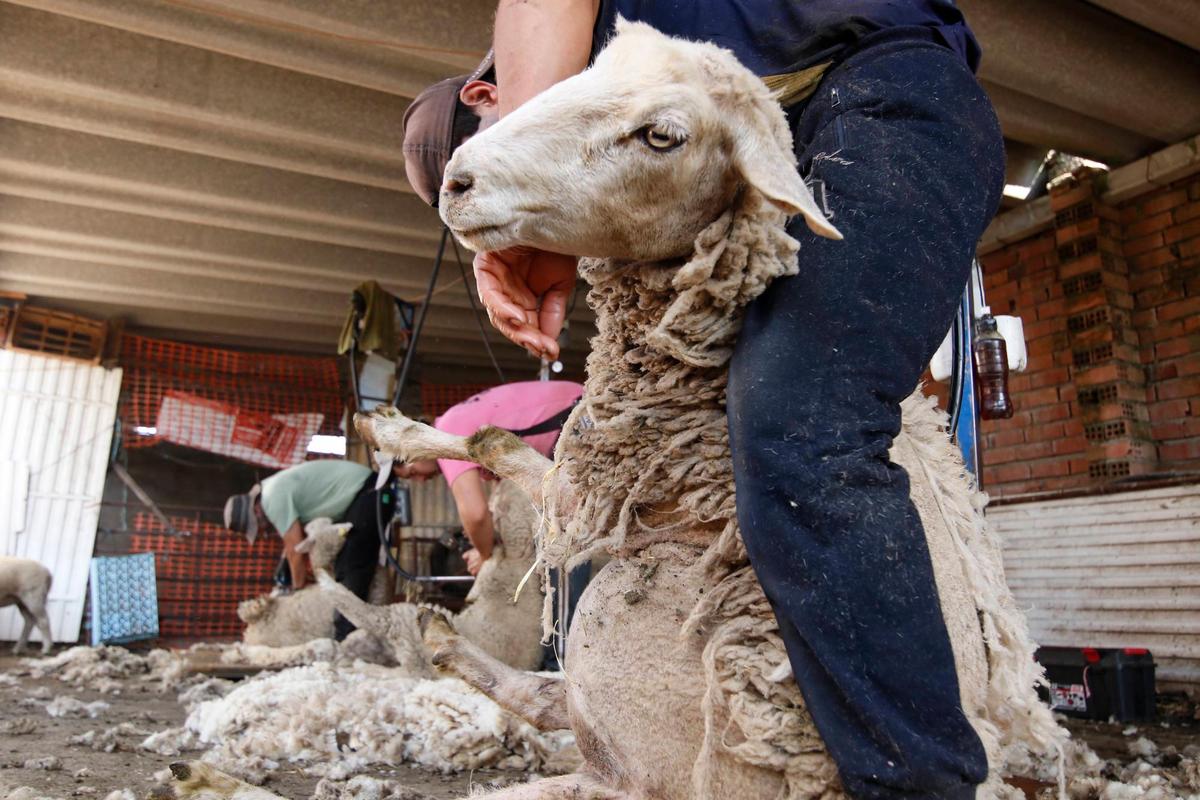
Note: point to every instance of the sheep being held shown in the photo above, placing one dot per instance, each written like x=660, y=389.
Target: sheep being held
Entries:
x=670, y=166
x=505, y=625
x=26, y=584
x=303, y=615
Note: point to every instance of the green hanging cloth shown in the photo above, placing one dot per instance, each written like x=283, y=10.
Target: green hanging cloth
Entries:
x=378, y=333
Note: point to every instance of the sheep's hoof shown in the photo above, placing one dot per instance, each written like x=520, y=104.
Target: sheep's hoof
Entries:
x=439, y=637
x=181, y=770
x=434, y=625
x=487, y=445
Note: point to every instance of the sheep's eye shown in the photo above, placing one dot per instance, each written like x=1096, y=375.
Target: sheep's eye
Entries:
x=659, y=138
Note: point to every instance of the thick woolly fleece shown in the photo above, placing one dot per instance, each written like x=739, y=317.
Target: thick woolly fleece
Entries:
x=648, y=452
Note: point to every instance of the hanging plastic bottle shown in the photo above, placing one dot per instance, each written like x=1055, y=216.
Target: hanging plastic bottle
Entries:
x=991, y=370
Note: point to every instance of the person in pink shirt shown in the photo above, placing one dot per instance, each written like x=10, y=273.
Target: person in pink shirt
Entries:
x=528, y=408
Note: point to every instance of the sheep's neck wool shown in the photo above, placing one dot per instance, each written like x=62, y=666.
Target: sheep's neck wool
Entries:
x=648, y=448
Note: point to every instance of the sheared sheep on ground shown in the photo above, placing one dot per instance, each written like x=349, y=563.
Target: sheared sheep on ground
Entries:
x=505, y=625
x=303, y=615
x=677, y=684
x=26, y=584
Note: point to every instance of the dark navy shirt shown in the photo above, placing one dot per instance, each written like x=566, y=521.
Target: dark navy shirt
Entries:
x=773, y=37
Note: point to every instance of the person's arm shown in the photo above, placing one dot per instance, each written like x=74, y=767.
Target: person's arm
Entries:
x=297, y=561
x=537, y=43
x=475, y=516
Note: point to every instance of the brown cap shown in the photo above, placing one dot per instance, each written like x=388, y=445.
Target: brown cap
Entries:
x=429, y=131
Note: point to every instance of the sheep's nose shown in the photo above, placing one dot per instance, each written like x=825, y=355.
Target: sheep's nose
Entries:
x=458, y=183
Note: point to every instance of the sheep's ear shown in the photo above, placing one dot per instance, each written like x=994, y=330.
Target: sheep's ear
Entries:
x=343, y=528
x=305, y=544
x=768, y=169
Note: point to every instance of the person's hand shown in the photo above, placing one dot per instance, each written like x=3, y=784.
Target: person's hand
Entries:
x=525, y=292
x=474, y=560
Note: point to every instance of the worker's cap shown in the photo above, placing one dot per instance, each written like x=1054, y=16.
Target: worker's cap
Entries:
x=240, y=515
x=429, y=139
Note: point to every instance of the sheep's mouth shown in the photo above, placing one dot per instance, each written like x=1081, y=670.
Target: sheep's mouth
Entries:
x=486, y=237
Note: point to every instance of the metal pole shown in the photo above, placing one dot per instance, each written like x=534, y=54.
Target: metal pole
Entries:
x=410, y=353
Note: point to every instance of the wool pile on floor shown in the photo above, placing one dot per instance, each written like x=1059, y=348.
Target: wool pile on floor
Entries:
x=89, y=722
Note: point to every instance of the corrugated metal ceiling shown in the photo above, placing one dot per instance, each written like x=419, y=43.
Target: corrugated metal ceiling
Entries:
x=228, y=171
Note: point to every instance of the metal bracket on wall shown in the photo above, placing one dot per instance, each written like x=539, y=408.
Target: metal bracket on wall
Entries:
x=147, y=501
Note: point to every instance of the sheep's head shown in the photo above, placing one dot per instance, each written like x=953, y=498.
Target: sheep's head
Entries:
x=630, y=159
x=323, y=540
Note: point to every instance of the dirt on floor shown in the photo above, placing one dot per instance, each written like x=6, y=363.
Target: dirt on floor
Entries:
x=36, y=749
x=1177, y=725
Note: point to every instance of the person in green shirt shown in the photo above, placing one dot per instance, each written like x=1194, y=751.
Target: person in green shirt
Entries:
x=341, y=490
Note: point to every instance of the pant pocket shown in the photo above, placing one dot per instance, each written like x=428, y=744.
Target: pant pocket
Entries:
x=839, y=122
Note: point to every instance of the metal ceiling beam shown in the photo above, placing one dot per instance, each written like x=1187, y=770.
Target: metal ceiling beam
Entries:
x=1175, y=19
x=1027, y=119
x=80, y=76
x=189, y=249
x=1079, y=57
x=385, y=69
x=457, y=31
x=37, y=275
x=50, y=163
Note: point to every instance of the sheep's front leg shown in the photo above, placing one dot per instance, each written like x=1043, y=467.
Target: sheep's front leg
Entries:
x=540, y=701
x=576, y=786
x=395, y=435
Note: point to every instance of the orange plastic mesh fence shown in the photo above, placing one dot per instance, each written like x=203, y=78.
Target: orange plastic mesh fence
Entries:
x=437, y=397
x=236, y=397
x=203, y=577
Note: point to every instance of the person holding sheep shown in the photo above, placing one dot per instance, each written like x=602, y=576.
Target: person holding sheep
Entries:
x=903, y=152
x=291, y=498
x=534, y=410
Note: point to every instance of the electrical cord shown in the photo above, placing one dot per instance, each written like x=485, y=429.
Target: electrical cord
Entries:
x=387, y=547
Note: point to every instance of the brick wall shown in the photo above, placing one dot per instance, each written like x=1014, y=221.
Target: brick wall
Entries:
x=1110, y=297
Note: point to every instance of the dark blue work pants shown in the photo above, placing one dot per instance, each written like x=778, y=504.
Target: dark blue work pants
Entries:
x=903, y=148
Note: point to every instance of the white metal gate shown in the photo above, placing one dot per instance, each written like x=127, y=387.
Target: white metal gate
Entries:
x=1111, y=570
x=56, y=428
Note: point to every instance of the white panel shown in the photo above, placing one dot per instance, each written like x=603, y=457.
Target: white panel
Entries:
x=14, y=498
x=56, y=419
x=1113, y=570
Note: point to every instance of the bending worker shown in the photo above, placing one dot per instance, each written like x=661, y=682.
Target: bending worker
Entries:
x=291, y=498
x=904, y=151
x=534, y=410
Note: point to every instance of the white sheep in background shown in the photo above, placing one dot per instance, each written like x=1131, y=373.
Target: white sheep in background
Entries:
x=26, y=584
x=506, y=629
x=678, y=686
x=304, y=615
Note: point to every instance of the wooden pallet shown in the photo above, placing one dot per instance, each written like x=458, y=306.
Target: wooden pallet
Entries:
x=55, y=333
